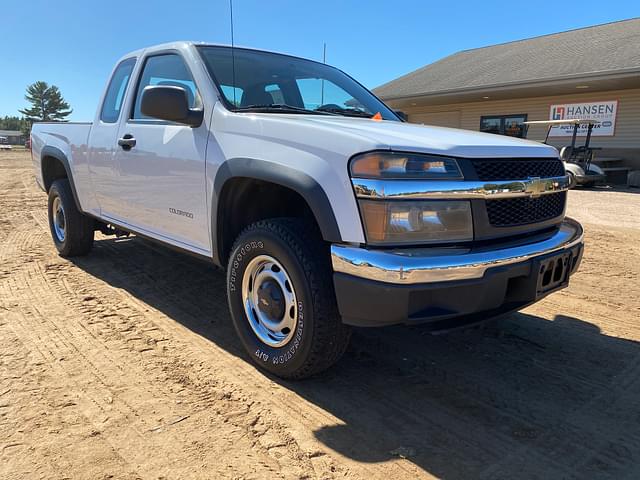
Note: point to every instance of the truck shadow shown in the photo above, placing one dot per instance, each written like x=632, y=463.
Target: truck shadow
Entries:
x=522, y=397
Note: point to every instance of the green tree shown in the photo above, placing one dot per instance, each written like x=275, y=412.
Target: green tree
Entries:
x=10, y=123
x=47, y=104
x=15, y=123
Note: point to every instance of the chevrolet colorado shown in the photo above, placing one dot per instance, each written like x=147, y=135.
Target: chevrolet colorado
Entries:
x=326, y=209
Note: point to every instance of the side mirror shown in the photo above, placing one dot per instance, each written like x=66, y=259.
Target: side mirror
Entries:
x=169, y=103
x=402, y=115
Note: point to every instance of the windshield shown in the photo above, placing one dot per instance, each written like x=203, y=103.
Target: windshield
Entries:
x=269, y=82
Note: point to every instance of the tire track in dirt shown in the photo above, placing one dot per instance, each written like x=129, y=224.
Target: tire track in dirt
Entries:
x=56, y=403
x=40, y=362
x=67, y=337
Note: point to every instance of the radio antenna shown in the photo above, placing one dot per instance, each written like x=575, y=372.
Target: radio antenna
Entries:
x=324, y=60
x=233, y=56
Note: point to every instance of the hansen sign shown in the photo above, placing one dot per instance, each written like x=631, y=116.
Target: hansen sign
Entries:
x=602, y=112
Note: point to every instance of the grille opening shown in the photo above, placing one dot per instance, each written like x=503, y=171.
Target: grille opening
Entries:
x=525, y=210
x=518, y=169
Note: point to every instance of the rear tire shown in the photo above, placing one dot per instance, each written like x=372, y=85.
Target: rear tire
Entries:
x=293, y=330
x=72, y=231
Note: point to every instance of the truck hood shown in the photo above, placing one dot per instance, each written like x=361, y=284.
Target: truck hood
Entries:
x=431, y=139
x=410, y=137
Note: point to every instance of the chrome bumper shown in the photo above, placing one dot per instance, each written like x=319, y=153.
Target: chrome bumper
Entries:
x=457, y=189
x=428, y=265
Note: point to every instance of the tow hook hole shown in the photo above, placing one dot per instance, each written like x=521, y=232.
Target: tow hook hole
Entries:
x=557, y=272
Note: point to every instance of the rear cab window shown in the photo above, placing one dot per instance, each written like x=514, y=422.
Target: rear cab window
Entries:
x=116, y=90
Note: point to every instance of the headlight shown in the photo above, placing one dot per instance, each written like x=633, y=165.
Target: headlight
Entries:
x=415, y=222
x=403, y=166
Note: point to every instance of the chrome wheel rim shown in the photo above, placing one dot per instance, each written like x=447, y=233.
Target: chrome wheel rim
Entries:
x=269, y=301
x=59, y=221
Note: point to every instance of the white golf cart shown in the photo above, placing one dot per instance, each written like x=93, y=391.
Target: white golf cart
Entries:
x=4, y=143
x=577, y=160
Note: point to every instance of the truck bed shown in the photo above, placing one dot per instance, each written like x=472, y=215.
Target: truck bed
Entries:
x=68, y=138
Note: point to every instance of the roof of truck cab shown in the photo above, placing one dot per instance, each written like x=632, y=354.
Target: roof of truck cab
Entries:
x=191, y=43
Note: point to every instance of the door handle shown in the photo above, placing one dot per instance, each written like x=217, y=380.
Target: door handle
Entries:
x=127, y=142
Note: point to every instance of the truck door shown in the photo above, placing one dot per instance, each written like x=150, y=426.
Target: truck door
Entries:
x=102, y=144
x=161, y=165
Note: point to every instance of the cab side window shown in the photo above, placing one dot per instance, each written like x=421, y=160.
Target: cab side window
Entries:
x=115, y=92
x=165, y=69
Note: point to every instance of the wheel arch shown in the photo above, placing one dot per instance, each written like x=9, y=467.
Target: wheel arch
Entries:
x=54, y=165
x=246, y=169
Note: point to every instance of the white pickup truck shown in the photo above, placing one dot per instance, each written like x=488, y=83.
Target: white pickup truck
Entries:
x=325, y=208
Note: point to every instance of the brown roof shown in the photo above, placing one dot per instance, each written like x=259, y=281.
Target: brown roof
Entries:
x=611, y=48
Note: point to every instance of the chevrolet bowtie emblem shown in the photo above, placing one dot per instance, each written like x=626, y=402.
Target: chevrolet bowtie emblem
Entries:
x=535, y=187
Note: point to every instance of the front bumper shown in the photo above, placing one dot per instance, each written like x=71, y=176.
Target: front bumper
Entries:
x=447, y=287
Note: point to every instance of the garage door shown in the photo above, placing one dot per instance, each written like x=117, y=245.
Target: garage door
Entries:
x=441, y=119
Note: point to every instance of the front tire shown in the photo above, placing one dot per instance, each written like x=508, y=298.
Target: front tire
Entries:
x=281, y=298
x=72, y=231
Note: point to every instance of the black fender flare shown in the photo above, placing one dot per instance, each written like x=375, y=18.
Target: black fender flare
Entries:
x=301, y=183
x=54, y=152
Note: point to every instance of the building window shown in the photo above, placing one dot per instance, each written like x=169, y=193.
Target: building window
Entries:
x=511, y=125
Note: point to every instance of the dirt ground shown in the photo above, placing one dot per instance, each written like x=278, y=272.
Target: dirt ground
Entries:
x=124, y=364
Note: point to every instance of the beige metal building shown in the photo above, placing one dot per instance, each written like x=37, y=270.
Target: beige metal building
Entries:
x=590, y=72
x=12, y=137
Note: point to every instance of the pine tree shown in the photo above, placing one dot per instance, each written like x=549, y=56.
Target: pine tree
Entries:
x=47, y=103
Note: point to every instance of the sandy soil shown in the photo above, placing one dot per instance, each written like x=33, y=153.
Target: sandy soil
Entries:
x=124, y=364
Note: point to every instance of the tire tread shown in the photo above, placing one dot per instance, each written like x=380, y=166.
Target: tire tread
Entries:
x=79, y=229
x=330, y=335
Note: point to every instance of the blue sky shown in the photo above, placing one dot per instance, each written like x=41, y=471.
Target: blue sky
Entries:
x=74, y=44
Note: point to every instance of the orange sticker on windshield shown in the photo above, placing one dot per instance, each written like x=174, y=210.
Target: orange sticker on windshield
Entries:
x=377, y=117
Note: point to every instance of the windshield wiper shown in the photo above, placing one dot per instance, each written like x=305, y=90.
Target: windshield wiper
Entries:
x=347, y=112
x=280, y=107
